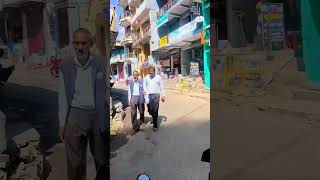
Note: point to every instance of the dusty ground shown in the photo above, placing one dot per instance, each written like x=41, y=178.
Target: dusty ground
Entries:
x=174, y=152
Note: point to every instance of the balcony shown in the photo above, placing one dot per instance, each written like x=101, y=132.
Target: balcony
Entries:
x=128, y=39
x=174, y=8
x=133, y=3
x=183, y=36
x=125, y=18
x=123, y=3
x=143, y=37
x=142, y=12
x=146, y=32
x=115, y=59
x=130, y=55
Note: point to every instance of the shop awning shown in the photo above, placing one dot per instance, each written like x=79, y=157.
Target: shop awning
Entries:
x=146, y=65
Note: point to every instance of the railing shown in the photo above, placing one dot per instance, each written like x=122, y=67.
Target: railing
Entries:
x=146, y=31
x=140, y=2
x=125, y=14
x=131, y=55
x=166, y=7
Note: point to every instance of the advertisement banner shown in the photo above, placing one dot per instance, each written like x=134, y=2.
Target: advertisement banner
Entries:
x=184, y=31
x=194, y=68
x=163, y=19
x=273, y=23
x=163, y=41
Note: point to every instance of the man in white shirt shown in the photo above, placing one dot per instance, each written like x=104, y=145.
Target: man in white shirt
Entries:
x=155, y=90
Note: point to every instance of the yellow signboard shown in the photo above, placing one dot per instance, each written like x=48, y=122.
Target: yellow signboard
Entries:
x=163, y=41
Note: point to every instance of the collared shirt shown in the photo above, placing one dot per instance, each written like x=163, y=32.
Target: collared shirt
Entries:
x=136, y=90
x=84, y=96
x=154, y=85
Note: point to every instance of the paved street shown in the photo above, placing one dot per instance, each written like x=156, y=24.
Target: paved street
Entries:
x=255, y=141
x=174, y=152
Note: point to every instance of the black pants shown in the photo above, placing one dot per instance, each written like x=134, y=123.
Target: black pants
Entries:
x=80, y=129
x=134, y=105
x=153, y=108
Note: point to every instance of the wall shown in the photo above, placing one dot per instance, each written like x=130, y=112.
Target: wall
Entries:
x=154, y=45
x=186, y=56
x=311, y=38
x=249, y=7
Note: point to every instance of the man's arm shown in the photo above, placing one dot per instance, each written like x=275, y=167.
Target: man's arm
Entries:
x=162, y=87
x=62, y=101
x=145, y=85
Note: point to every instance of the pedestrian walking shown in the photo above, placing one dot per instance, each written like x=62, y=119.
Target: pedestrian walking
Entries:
x=136, y=101
x=82, y=108
x=155, y=90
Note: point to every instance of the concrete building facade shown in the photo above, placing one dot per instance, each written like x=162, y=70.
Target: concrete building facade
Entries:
x=176, y=40
x=41, y=29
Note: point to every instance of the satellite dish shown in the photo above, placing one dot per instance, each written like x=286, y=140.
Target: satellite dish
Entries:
x=143, y=176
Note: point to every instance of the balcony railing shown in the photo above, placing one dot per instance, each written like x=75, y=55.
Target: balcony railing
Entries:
x=146, y=31
x=140, y=2
x=125, y=14
x=131, y=55
x=166, y=7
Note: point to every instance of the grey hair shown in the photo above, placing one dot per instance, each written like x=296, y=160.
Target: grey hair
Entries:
x=136, y=71
x=82, y=30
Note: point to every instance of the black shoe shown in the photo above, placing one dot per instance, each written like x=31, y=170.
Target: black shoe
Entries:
x=155, y=129
x=135, y=132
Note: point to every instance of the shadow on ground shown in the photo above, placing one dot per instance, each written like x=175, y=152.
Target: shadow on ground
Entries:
x=29, y=107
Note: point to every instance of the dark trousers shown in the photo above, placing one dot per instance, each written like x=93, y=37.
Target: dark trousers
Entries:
x=153, y=108
x=80, y=129
x=135, y=105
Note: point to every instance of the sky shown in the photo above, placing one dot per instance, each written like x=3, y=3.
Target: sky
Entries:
x=119, y=10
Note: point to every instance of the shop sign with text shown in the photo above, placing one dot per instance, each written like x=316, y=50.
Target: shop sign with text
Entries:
x=185, y=31
x=163, y=19
x=163, y=41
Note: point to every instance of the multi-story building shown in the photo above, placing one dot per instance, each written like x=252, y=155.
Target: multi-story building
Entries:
x=176, y=36
x=118, y=62
x=136, y=21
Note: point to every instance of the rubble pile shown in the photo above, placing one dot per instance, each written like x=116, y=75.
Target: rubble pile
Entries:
x=117, y=117
x=250, y=73
x=22, y=160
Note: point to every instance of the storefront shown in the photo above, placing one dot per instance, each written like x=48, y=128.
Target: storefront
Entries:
x=175, y=63
x=23, y=30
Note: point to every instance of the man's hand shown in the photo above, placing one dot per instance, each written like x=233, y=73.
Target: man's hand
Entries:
x=163, y=98
x=61, y=133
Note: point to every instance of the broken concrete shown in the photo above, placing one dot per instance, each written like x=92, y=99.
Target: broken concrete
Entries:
x=23, y=139
x=29, y=153
x=117, y=104
x=4, y=159
x=3, y=175
x=29, y=171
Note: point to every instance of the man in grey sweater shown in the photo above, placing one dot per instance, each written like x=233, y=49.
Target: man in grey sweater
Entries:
x=82, y=108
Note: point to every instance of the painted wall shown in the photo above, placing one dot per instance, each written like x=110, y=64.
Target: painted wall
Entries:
x=311, y=38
